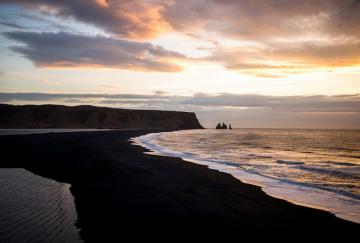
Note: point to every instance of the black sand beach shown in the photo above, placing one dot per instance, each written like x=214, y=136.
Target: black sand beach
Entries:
x=122, y=194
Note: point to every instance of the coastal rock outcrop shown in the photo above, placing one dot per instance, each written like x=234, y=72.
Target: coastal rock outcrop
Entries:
x=223, y=126
x=59, y=116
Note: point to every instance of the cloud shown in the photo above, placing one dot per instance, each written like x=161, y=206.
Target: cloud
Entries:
x=285, y=59
x=286, y=37
x=300, y=103
x=241, y=110
x=320, y=55
x=266, y=19
x=141, y=19
x=124, y=18
x=62, y=49
x=116, y=99
x=10, y=24
x=160, y=92
x=316, y=103
x=273, y=38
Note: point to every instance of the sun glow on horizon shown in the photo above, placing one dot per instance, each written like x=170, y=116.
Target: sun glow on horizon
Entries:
x=181, y=48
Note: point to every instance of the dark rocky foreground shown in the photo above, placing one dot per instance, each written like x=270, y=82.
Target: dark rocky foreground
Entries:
x=58, y=116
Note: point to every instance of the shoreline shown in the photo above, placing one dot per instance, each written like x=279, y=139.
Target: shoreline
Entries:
x=123, y=193
x=311, y=197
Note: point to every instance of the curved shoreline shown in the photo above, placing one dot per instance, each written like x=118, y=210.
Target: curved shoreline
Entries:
x=308, y=197
x=122, y=193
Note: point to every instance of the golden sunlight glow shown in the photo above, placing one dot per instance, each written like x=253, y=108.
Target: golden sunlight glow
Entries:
x=184, y=47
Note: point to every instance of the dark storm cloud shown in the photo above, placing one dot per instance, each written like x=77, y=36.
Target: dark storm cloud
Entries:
x=70, y=50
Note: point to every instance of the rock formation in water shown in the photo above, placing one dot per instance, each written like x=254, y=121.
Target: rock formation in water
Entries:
x=222, y=126
x=59, y=116
x=230, y=126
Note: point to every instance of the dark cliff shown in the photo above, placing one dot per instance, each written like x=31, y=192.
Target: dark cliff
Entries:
x=58, y=116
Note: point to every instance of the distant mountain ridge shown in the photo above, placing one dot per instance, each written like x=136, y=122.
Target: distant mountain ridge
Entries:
x=85, y=116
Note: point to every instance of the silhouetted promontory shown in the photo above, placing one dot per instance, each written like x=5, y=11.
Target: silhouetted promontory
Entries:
x=59, y=116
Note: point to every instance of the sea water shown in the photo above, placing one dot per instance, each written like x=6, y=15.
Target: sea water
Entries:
x=35, y=209
x=314, y=168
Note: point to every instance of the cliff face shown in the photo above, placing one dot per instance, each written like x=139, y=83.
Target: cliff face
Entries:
x=58, y=116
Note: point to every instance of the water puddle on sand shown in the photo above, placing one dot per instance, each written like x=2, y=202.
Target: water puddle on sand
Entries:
x=35, y=209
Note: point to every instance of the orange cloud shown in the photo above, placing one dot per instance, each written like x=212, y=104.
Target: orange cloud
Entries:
x=143, y=21
x=102, y=3
x=132, y=19
x=279, y=59
x=295, y=36
x=240, y=19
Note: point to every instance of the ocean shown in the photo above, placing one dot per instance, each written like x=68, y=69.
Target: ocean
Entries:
x=35, y=209
x=313, y=168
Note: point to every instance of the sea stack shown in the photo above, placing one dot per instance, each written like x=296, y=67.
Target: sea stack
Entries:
x=222, y=126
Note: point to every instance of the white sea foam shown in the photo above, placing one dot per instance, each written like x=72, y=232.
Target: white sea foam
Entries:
x=344, y=204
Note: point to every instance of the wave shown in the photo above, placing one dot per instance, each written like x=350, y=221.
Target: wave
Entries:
x=337, y=173
x=339, y=163
x=261, y=156
x=341, y=203
x=289, y=162
x=350, y=156
x=345, y=149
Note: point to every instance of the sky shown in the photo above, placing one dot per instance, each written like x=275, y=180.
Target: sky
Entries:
x=275, y=63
